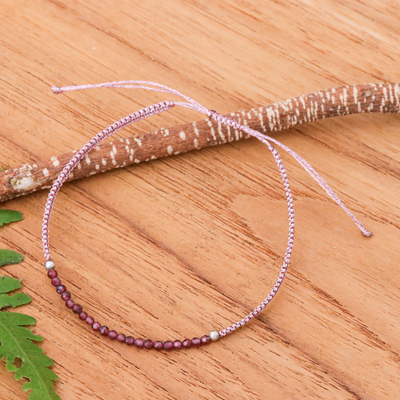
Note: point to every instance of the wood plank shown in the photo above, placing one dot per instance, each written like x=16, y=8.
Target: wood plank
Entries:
x=179, y=246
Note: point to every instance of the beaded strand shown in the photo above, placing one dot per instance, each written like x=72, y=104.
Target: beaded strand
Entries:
x=120, y=337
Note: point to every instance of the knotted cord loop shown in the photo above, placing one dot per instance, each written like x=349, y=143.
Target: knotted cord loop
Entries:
x=194, y=105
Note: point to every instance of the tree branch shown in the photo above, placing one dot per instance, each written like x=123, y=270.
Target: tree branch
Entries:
x=204, y=133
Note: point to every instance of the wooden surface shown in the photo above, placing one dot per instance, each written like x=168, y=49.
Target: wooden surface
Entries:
x=179, y=246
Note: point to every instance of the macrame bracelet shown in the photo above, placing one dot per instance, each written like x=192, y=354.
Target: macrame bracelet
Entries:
x=141, y=114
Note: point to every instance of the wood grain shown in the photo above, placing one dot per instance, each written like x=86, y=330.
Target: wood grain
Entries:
x=181, y=245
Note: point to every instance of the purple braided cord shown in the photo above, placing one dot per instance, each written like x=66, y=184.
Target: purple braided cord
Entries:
x=192, y=104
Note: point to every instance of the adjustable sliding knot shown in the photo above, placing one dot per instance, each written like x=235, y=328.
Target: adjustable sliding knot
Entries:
x=223, y=119
x=211, y=113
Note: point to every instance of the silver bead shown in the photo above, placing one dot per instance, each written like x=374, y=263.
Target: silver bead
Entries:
x=214, y=336
x=49, y=265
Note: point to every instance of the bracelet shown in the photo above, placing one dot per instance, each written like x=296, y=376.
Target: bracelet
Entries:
x=158, y=108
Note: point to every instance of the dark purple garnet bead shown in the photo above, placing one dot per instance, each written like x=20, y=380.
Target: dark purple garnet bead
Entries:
x=66, y=296
x=187, y=343
x=158, y=345
x=196, y=342
x=56, y=281
x=121, y=338
x=138, y=343
x=77, y=309
x=61, y=289
x=103, y=331
x=83, y=315
x=129, y=340
x=52, y=274
x=205, y=339
x=112, y=335
x=69, y=303
x=148, y=344
x=177, y=344
x=89, y=320
x=168, y=345
x=96, y=326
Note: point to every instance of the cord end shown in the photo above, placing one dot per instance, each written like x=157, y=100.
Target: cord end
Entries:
x=56, y=89
x=366, y=233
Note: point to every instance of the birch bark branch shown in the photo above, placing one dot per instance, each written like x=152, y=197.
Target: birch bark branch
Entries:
x=282, y=115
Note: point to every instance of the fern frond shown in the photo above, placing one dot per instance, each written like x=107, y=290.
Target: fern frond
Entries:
x=8, y=216
x=16, y=342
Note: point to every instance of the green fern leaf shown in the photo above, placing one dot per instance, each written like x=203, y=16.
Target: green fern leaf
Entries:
x=17, y=343
x=7, y=216
x=9, y=257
